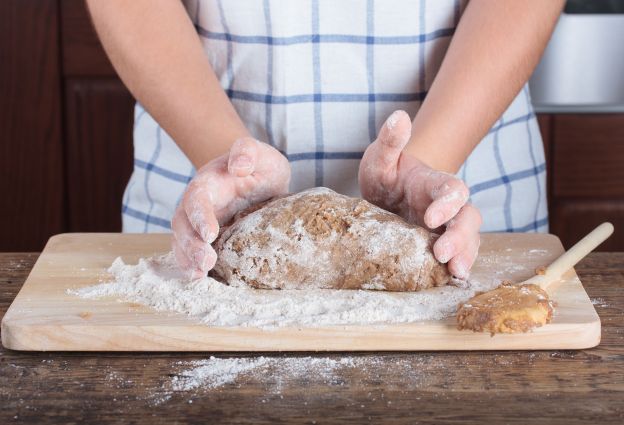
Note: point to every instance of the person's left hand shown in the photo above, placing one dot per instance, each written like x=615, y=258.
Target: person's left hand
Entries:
x=399, y=182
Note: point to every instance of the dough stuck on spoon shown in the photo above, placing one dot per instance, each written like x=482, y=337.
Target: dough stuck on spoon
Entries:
x=519, y=308
x=507, y=309
x=321, y=239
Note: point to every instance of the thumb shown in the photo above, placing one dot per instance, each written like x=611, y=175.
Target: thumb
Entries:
x=272, y=167
x=243, y=155
x=393, y=137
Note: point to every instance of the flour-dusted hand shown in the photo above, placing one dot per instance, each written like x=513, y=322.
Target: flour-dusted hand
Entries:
x=250, y=173
x=399, y=182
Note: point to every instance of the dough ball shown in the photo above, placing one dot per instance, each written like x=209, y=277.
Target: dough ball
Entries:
x=321, y=239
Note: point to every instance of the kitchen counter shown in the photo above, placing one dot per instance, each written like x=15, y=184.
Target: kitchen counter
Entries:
x=554, y=387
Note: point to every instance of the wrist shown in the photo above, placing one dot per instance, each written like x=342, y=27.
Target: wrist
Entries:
x=213, y=145
x=435, y=154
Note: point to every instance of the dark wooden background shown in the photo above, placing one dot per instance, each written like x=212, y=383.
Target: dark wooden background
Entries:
x=66, y=137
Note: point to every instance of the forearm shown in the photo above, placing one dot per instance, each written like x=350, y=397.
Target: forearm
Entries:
x=158, y=55
x=492, y=54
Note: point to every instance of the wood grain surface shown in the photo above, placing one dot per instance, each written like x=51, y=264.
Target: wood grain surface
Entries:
x=514, y=387
x=44, y=317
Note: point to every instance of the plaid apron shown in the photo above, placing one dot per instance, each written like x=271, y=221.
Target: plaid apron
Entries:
x=317, y=79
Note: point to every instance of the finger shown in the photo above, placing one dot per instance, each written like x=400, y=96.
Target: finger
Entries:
x=274, y=166
x=186, y=264
x=180, y=226
x=460, y=265
x=198, y=208
x=243, y=156
x=183, y=230
x=459, y=235
x=449, y=195
x=201, y=257
x=392, y=138
x=199, y=253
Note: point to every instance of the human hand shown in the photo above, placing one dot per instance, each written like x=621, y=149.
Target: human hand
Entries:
x=399, y=182
x=251, y=172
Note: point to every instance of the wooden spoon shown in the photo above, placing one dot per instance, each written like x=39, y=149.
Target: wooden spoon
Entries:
x=521, y=307
x=568, y=259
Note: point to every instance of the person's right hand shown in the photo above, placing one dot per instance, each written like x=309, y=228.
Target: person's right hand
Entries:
x=251, y=172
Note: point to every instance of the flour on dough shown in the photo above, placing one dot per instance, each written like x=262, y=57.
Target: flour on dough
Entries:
x=321, y=239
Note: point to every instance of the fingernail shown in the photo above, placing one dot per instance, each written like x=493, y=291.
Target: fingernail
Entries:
x=436, y=219
x=196, y=274
x=445, y=252
x=210, y=262
x=207, y=234
x=198, y=219
x=243, y=161
x=392, y=120
x=461, y=269
x=199, y=258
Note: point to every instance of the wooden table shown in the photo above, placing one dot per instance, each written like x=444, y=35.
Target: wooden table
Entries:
x=554, y=387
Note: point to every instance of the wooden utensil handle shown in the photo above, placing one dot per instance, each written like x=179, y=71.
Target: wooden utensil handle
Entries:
x=572, y=256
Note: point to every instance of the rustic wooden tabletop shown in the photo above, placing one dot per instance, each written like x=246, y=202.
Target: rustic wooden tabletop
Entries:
x=554, y=387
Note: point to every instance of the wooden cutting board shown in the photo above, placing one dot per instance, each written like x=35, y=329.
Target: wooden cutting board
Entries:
x=43, y=317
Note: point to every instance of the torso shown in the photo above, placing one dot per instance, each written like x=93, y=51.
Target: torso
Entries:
x=316, y=79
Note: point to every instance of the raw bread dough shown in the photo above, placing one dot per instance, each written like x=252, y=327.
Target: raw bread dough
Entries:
x=321, y=239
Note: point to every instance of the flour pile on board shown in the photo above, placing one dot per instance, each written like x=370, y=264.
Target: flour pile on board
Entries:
x=158, y=283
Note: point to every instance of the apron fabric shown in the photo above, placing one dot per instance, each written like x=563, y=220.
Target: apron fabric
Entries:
x=317, y=79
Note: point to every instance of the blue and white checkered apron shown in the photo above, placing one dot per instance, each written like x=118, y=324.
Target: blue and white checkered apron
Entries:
x=317, y=79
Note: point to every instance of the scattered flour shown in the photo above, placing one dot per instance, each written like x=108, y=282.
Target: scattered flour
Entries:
x=279, y=374
x=600, y=302
x=216, y=372
x=157, y=282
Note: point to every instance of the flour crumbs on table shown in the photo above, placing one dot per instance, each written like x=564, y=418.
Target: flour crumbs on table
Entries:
x=216, y=372
x=278, y=375
x=158, y=283
x=600, y=302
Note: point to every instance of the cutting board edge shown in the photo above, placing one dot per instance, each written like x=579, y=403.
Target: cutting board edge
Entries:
x=146, y=338
x=24, y=344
